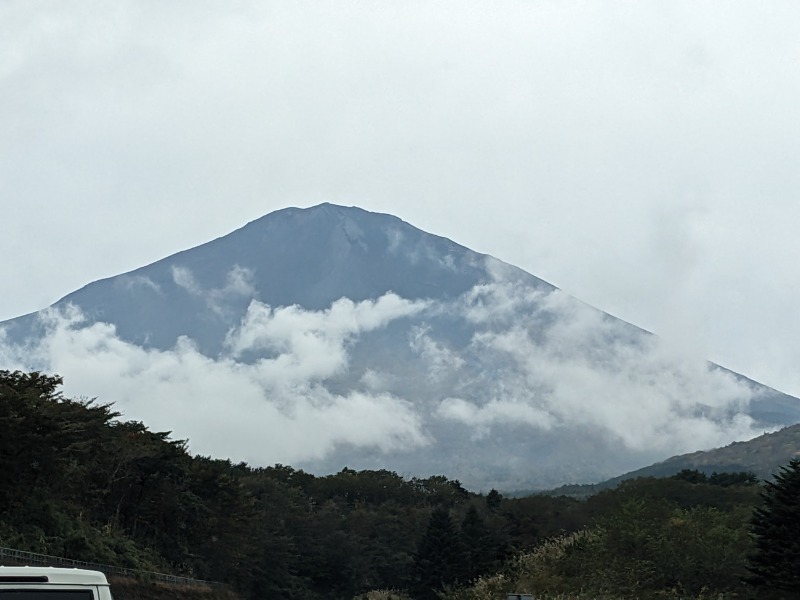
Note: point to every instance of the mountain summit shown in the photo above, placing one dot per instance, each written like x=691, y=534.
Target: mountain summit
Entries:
x=330, y=336
x=306, y=257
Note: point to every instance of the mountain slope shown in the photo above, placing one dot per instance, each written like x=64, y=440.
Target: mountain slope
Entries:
x=333, y=336
x=306, y=257
x=762, y=455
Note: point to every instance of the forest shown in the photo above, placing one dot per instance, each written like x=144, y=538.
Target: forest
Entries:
x=78, y=481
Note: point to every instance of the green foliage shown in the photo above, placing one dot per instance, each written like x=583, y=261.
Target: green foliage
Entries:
x=494, y=499
x=729, y=479
x=649, y=538
x=441, y=558
x=775, y=563
x=534, y=571
x=643, y=547
x=479, y=547
x=76, y=481
x=721, y=479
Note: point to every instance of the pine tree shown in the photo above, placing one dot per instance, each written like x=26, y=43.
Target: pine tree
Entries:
x=479, y=548
x=441, y=559
x=493, y=499
x=775, y=564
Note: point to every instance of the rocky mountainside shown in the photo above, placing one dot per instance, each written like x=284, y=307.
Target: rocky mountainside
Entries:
x=331, y=336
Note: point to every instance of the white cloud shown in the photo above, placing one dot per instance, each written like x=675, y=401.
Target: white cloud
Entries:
x=395, y=238
x=374, y=381
x=438, y=359
x=184, y=278
x=311, y=345
x=541, y=361
x=565, y=364
x=266, y=412
x=505, y=412
x=239, y=285
x=133, y=282
x=498, y=303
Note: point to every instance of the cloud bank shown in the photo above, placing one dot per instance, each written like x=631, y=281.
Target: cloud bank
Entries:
x=289, y=389
x=560, y=363
x=272, y=410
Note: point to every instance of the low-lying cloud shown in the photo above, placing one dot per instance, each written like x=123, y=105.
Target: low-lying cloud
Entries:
x=560, y=363
x=286, y=388
x=273, y=410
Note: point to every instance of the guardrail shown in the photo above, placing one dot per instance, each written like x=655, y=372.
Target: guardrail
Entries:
x=46, y=560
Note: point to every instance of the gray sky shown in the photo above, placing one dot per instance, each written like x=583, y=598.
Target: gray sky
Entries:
x=643, y=156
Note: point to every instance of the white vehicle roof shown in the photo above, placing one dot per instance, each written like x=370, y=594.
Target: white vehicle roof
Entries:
x=53, y=574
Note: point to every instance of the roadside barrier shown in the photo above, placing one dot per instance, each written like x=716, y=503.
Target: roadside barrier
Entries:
x=32, y=558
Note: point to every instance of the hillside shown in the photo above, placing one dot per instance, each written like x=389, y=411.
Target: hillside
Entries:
x=762, y=456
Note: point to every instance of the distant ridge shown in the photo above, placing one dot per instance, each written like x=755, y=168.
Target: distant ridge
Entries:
x=763, y=456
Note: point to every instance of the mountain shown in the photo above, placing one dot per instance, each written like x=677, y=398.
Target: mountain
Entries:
x=305, y=257
x=331, y=336
x=763, y=455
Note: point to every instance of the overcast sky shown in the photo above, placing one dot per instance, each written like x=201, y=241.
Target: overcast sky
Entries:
x=642, y=156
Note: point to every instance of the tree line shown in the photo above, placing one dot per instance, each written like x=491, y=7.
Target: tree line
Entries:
x=77, y=481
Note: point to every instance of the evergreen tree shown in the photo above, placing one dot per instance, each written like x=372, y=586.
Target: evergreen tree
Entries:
x=691, y=475
x=480, y=550
x=441, y=559
x=493, y=499
x=775, y=564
